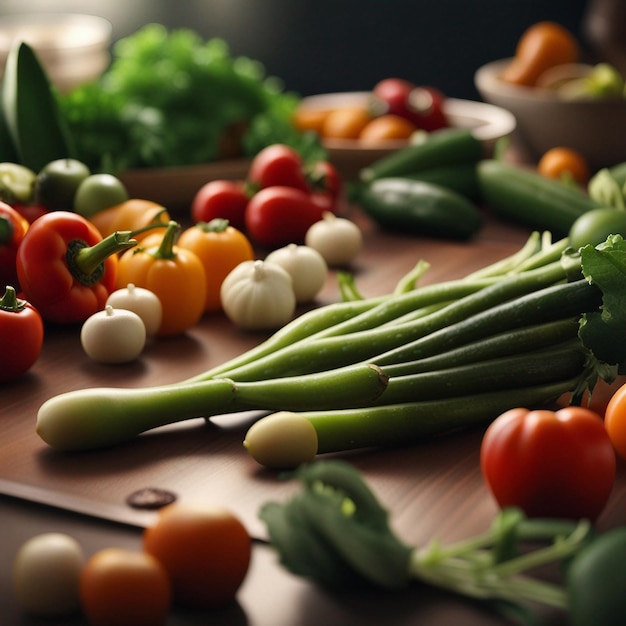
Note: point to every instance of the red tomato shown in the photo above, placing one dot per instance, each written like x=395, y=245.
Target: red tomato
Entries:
x=278, y=164
x=123, y=588
x=615, y=420
x=326, y=186
x=206, y=551
x=30, y=212
x=281, y=215
x=394, y=94
x=225, y=199
x=21, y=336
x=549, y=463
x=423, y=106
x=13, y=228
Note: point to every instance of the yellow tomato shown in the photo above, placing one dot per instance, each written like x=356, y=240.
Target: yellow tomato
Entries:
x=133, y=215
x=123, y=588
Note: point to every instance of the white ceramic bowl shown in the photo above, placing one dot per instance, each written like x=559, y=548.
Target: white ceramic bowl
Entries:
x=72, y=48
x=487, y=122
x=596, y=128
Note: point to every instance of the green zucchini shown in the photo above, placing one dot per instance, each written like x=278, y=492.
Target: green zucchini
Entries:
x=30, y=109
x=420, y=208
x=528, y=198
x=448, y=146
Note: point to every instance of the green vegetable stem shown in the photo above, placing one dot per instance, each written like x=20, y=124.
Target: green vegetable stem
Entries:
x=336, y=533
x=525, y=330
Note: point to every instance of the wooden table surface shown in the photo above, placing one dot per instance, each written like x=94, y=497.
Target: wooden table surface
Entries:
x=432, y=488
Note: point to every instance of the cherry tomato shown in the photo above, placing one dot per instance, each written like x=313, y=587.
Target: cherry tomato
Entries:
x=549, y=463
x=277, y=164
x=123, y=588
x=280, y=215
x=225, y=199
x=206, y=551
x=393, y=94
x=563, y=163
x=542, y=46
x=615, y=420
x=21, y=336
x=387, y=127
x=346, y=122
x=420, y=105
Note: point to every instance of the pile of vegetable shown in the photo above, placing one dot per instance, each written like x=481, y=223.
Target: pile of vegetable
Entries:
x=396, y=109
x=193, y=556
x=548, y=56
x=171, y=98
x=167, y=99
x=542, y=323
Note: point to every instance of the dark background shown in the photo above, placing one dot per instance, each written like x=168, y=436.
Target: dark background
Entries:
x=319, y=46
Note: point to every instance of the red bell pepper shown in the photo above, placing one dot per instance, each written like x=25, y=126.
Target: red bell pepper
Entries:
x=65, y=268
x=13, y=227
x=21, y=336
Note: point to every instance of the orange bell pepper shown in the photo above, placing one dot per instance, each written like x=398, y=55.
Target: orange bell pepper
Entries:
x=221, y=248
x=174, y=274
x=134, y=215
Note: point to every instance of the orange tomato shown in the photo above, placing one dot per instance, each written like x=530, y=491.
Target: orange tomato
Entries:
x=615, y=420
x=206, y=551
x=542, y=46
x=345, y=122
x=563, y=163
x=123, y=588
x=387, y=127
x=221, y=248
x=133, y=214
x=174, y=274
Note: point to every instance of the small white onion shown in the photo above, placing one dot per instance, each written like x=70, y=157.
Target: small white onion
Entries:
x=113, y=336
x=338, y=239
x=46, y=574
x=141, y=301
x=306, y=266
x=258, y=296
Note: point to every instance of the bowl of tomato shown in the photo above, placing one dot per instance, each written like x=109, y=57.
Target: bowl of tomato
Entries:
x=362, y=134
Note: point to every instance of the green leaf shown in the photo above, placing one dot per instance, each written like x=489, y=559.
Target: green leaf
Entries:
x=335, y=530
x=30, y=110
x=604, y=332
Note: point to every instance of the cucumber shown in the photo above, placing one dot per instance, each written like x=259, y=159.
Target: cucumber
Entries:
x=458, y=177
x=526, y=197
x=448, y=146
x=31, y=113
x=419, y=208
